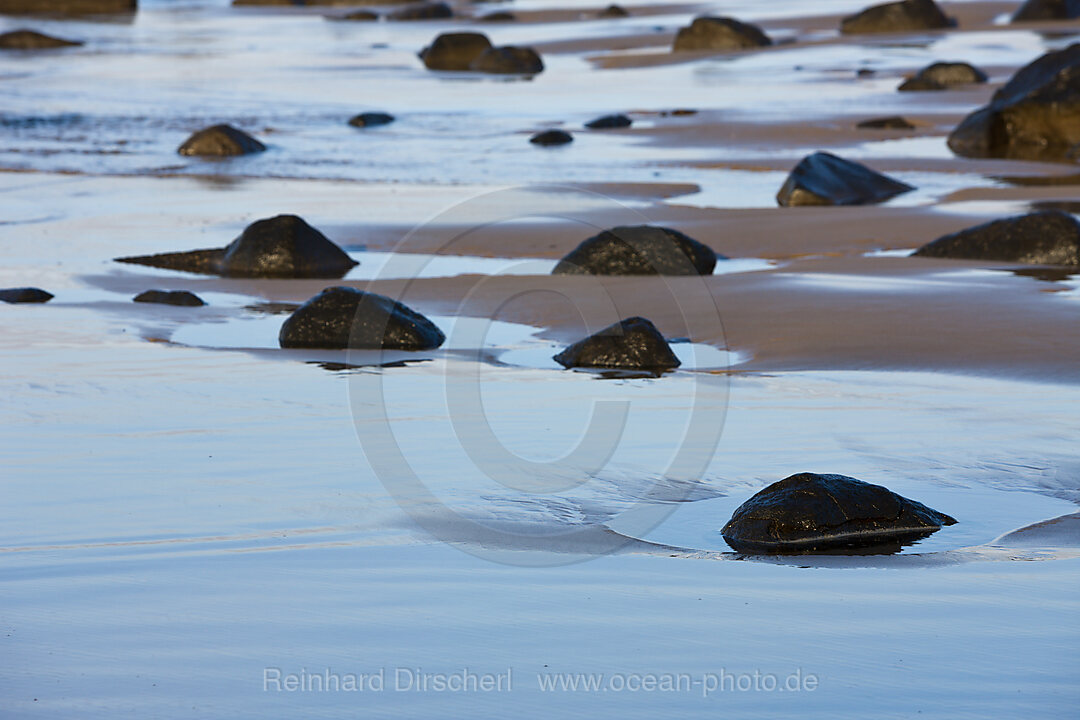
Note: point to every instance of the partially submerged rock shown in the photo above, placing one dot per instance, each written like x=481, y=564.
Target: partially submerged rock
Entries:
x=609, y=122
x=498, y=16
x=895, y=17
x=24, y=295
x=808, y=512
x=719, y=34
x=551, y=137
x=283, y=246
x=182, y=298
x=893, y=122
x=638, y=250
x=423, y=11
x=371, y=119
x=31, y=40
x=825, y=179
x=220, y=141
x=343, y=317
x=1047, y=10
x=360, y=16
x=66, y=7
x=943, y=75
x=1036, y=115
x=1050, y=237
x=631, y=344
x=508, y=60
x=613, y=11
x=454, y=51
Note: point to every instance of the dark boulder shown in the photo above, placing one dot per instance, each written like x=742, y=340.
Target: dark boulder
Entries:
x=66, y=7
x=719, y=34
x=1047, y=10
x=631, y=344
x=424, y=11
x=609, y=122
x=613, y=11
x=812, y=513
x=1036, y=115
x=508, y=60
x=360, y=16
x=283, y=246
x=895, y=17
x=343, y=317
x=220, y=141
x=30, y=40
x=499, y=16
x=825, y=179
x=371, y=119
x=1050, y=237
x=639, y=250
x=169, y=297
x=893, y=122
x=943, y=75
x=454, y=51
x=551, y=137
x=24, y=295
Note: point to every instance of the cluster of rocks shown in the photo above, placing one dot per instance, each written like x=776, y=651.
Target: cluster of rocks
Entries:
x=473, y=52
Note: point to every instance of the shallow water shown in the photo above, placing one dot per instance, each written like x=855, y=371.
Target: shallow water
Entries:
x=186, y=505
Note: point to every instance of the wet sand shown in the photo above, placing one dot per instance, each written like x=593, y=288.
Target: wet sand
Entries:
x=188, y=505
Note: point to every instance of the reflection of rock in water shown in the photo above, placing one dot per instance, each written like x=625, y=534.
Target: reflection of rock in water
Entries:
x=811, y=513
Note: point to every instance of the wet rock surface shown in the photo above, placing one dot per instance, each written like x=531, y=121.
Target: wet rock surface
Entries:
x=498, y=16
x=360, y=16
x=31, y=40
x=609, y=122
x=808, y=512
x=1036, y=115
x=1050, y=237
x=24, y=295
x=630, y=344
x=943, y=75
x=424, y=11
x=907, y=16
x=825, y=179
x=284, y=246
x=551, y=137
x=220, y=141
x=371, y=119
x=1047, y=10
x=343, y=317
x=72, y=7
x=508, y=60
x=454, y=51
x=613, y=11
x=719, y=34
x=893, y=122
x=639, y=250
x=169, y=297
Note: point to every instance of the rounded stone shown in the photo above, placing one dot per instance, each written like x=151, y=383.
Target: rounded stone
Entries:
x=343, y=317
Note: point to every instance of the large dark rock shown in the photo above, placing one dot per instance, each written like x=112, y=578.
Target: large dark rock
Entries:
x=1036, y=115
x=371, y=119
x=825, y=179
x=551, y=137
x=719, y=34
x=30, y=40
x=943, y=75
x=631, y=344
x=454, y=51
x=508, y=60
x=609, y=122
x=24, y=295
x=283, y=246
x=66, y=7
x=1047, y=10
x=639, y=250
x=169, y=297
x=424, y=11
x=895, y=17
x=220, y=141
x=342, y=317
x=810, y=513
x=1050, y=237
